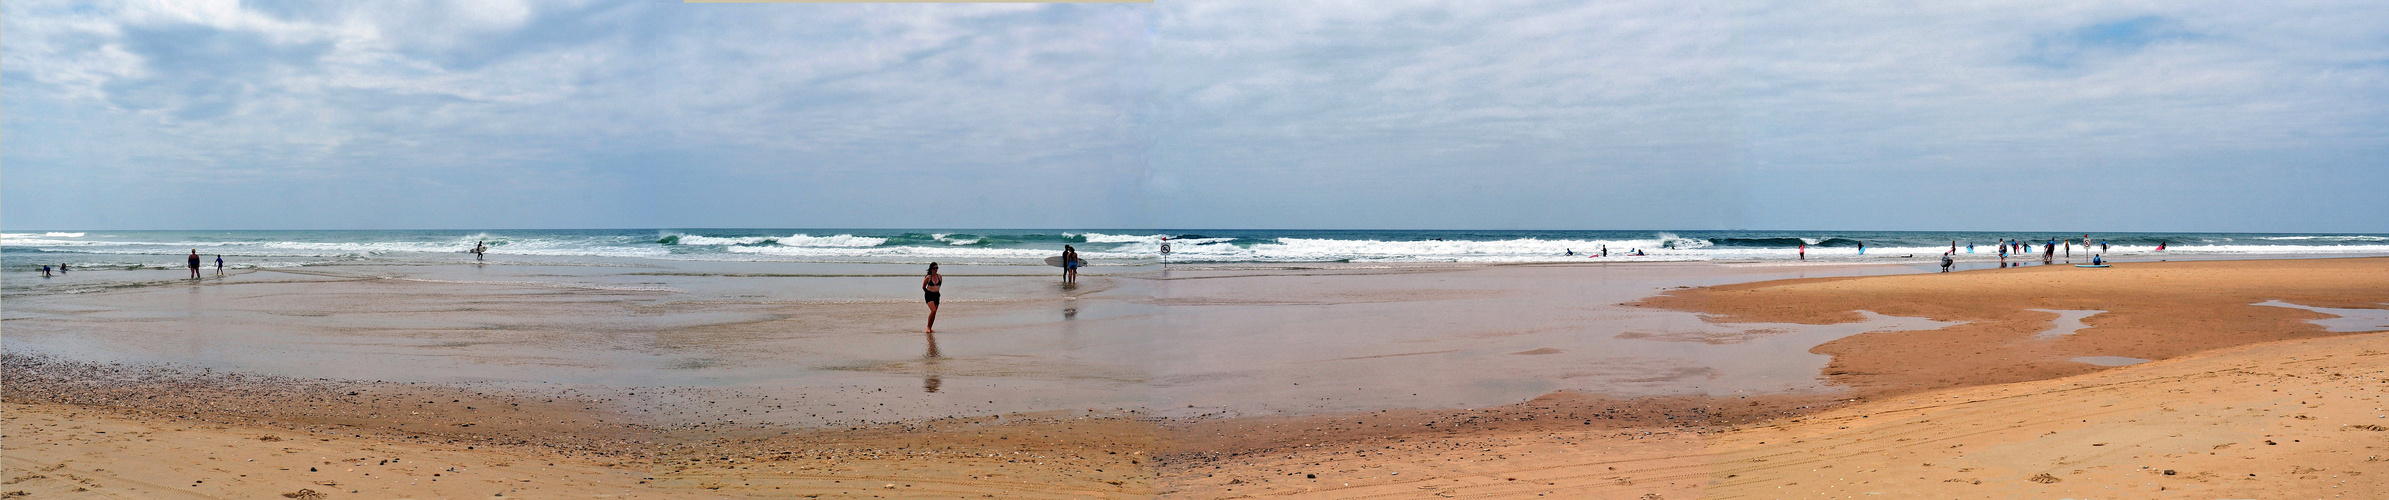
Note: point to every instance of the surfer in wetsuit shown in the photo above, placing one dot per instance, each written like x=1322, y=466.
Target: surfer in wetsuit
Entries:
x=929, y=286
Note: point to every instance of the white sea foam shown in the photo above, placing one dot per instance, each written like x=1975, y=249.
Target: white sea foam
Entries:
x=690, y=239
x=1120, y=238
x=840, y=241
x=2323, y=238
x=899, y=253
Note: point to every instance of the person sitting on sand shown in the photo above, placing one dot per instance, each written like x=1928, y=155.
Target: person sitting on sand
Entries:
x=929, y=287
x=2096, y=261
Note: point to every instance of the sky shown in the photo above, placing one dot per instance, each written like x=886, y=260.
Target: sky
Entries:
x=1385, y=114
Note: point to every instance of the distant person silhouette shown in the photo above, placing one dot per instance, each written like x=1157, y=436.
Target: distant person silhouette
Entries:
x=194, y=262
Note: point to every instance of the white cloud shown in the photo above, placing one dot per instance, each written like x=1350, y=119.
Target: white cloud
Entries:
x=1193, y=113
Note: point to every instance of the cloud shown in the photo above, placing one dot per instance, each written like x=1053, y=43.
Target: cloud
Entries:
x=1248, y=114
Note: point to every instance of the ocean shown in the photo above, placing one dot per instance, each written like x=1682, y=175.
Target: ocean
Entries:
x=97, y=250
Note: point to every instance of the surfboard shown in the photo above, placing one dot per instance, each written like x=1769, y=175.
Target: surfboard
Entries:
x=1056, y=261
x=2090, y=265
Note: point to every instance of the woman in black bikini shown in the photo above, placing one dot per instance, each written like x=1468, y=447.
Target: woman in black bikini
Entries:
x=929, y=286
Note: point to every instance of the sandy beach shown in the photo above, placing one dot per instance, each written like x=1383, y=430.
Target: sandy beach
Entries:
x=1585, y=381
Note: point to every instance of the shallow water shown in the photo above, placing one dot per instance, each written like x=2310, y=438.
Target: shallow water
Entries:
x=1256, y=339
x=2348, y=320
x=2067, y=322
x=2109, y=360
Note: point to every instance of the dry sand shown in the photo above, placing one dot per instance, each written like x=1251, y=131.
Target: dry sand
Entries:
x=2246, y=401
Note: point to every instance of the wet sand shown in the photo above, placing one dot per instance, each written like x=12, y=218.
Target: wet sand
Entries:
x=2149, y=310
x=1483, y=381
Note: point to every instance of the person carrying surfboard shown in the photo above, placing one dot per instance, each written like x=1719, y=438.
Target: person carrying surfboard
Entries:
x=1070, y=264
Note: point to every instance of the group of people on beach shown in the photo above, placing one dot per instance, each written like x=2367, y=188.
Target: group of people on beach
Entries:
x=932, y=282
x=1604, y=252
x=193, y=262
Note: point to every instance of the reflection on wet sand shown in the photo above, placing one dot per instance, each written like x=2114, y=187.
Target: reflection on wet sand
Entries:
x=929, y=362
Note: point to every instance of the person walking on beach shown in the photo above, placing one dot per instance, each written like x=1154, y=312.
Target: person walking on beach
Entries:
x=929, y=286
x=194, y=262
x=219, y=265
x=1069, y=264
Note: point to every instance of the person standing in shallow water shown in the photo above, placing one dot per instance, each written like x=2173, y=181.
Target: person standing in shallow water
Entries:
x=929, y=287
x=194, y=263
x=1069, y=264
